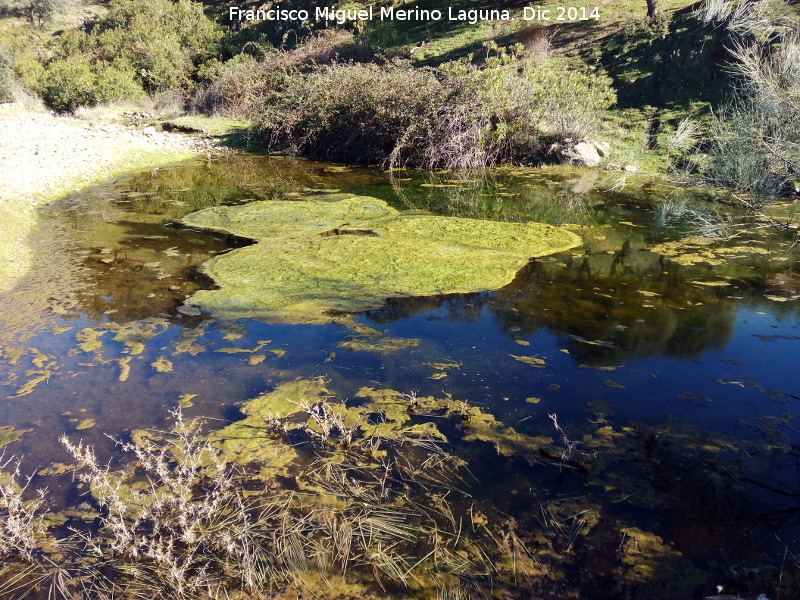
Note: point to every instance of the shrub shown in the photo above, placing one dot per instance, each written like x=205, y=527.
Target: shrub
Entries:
x=41, y=12
x=756, y=146
x=75, y=82
x=503, y=113
x=569, y=101
x=161, y=41
x=138, y=46
x=241, y=84
x=6, y=76
x=459, y=117
x=348, y=112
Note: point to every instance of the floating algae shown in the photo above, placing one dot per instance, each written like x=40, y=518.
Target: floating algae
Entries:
x=247, y=441
x=343, y=253
x=530, y=360
x=162, y=365
x=8, y=435
x=654, y=568
x=368, y=339
x=185, y=401
x=37, y=377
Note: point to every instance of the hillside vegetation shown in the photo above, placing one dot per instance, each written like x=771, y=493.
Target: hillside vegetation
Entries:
x=670, y=85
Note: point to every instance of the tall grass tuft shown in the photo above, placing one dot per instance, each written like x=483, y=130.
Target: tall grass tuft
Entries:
x=756, y=143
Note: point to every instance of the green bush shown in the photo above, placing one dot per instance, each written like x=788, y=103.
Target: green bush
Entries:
x=6, y=76
x=140, y=45
x=163, y=42
x=74, y=42
x=74, y=82
x=506, y=111
x=462, y=116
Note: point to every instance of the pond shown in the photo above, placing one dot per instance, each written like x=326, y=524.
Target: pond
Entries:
x=621, y=413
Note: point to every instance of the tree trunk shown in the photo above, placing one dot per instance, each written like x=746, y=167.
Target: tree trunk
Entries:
x=652, y=8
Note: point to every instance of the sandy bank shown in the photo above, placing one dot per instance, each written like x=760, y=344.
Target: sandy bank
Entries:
x=43, y=157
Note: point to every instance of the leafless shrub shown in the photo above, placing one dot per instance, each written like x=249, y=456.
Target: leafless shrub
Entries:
x=186, y=525
x=21, y=521
x=454, y=140
x=538, y=40
x=328, y=422
x=571, y=455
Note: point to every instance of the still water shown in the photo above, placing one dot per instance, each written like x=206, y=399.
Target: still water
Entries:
x=665, y=348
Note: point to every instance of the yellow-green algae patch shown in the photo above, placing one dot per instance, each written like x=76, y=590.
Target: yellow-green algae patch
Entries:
x=656, y=568
x=185, y=401
x=8, y=435
x=342, y=253
x=247, y=441
x=530, y=360
x=162, y=365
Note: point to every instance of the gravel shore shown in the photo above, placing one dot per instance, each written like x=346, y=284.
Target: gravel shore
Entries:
x=43, y=157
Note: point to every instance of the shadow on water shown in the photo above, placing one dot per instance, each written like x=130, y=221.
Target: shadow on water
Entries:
x=666, y=354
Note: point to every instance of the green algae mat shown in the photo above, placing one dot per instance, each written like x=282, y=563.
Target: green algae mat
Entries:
x=323, y=255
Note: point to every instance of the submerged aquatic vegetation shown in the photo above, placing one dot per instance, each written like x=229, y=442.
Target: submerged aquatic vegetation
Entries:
x=342, y=253
x=369, y=499
x=183, y=522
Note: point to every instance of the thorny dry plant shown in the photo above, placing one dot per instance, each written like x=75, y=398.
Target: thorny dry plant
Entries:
x=188, y=520
x=181, y=523
x=571, y=455
x=21, y=522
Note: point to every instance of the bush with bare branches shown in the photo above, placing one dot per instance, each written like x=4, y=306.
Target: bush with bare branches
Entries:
x=756, y=146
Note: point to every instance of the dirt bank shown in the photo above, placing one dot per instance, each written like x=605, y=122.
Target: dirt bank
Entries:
x=43, y=157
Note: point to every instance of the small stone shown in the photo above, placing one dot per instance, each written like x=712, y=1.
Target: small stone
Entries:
x=189, y=311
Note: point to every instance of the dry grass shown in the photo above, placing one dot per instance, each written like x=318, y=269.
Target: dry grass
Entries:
x=181, y=523
x=21, y=522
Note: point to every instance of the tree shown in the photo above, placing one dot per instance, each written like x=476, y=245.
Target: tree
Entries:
x=41, y=12
x=652, y=9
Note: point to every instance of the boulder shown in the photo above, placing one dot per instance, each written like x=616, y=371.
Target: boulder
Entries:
x=585, y=153
x=603, y=148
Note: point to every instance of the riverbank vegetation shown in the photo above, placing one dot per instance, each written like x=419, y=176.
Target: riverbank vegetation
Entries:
x=649, y=81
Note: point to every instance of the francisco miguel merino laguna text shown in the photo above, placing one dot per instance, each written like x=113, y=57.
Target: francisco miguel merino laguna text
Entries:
x=390, y=13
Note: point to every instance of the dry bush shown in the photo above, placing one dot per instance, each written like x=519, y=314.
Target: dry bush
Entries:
x=21, y=522
x=538, y=40
x=347, y=112
x=186, y=525
x=180, y=523
x=322, y=48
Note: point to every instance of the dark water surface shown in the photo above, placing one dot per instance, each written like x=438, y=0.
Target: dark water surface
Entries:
x=674, y=366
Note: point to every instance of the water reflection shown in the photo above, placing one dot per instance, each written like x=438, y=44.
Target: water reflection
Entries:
x=661, y=358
